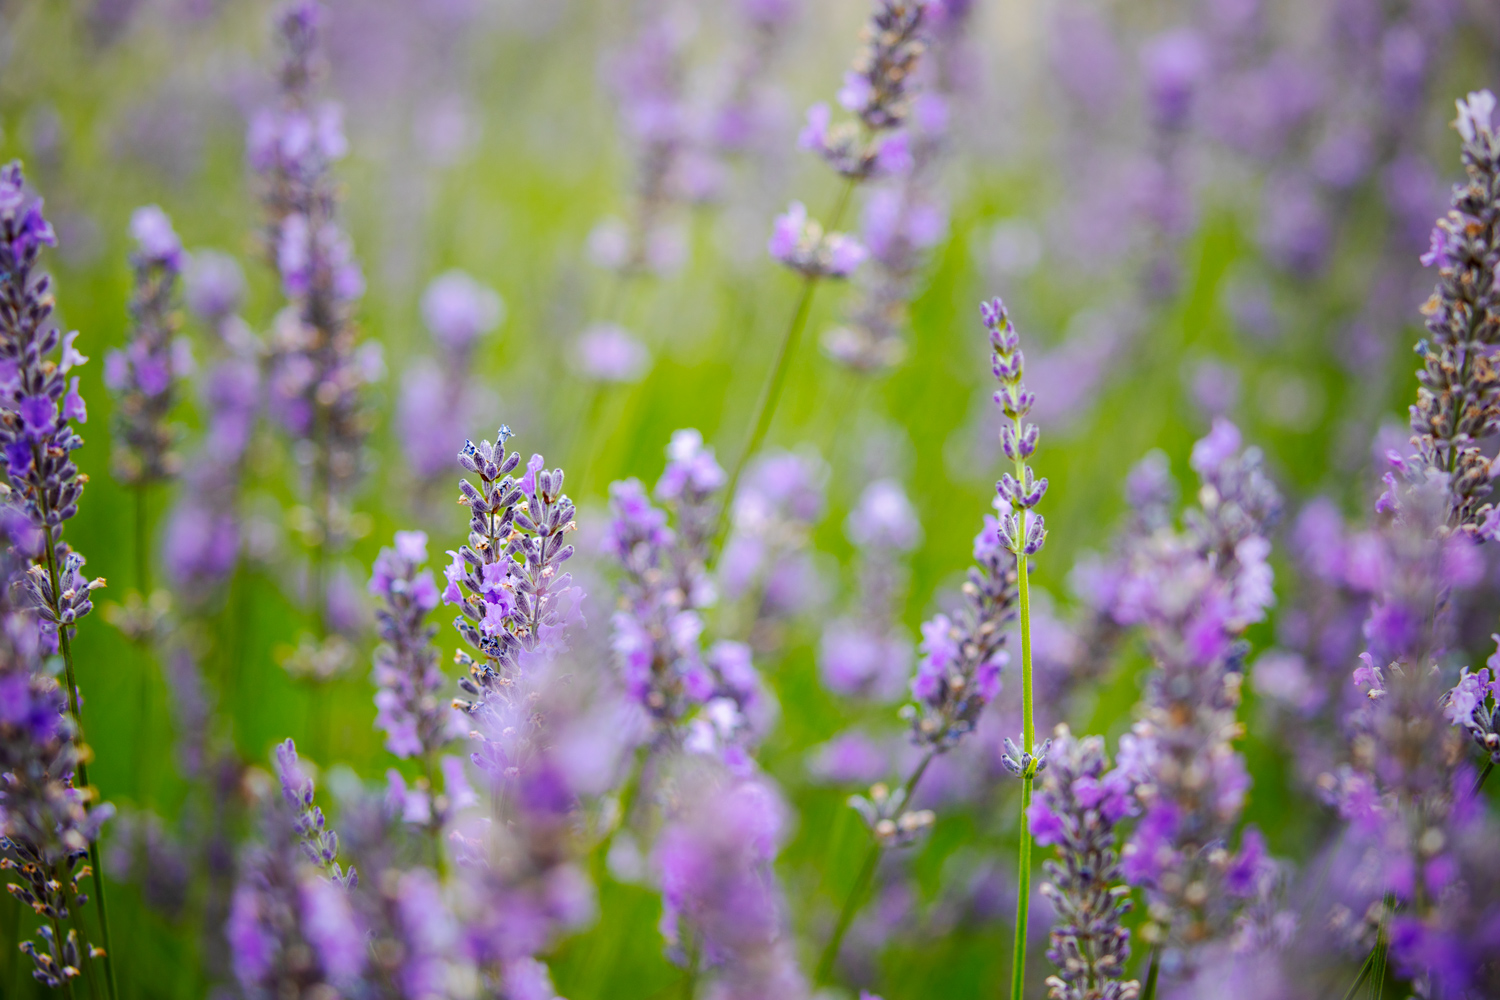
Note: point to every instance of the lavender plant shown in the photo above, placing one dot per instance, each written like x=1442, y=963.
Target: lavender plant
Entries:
x=409, y=684
x=877, y=91
x=317, y=369
x=37, y=408
x=1194, y=593
x=959, y=670
x=1082, y=800
x=143, y=374
x=1458, y=401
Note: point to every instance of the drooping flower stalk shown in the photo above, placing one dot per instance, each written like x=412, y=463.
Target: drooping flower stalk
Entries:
x=143, y=375
x=877, y=91
x=1080, y=802
x=38, y=403
x=959, y=671
x=318, y=370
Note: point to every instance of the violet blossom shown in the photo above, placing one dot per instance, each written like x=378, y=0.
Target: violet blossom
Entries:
x=1078, y=805
x=143, y=374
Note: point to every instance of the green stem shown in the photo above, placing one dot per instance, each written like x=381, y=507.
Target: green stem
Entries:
x=142, y=541
x=1364, y=973
x=855, y=899
x=65, y=646
x=846, y=915
x=1028, y=737
x=770, y=394
x=1483, y=775
x=1152, y=972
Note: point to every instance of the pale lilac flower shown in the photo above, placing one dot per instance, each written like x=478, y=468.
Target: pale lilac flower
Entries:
x=606, y=352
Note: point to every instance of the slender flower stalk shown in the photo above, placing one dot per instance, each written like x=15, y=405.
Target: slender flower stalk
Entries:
x=38, y=403
x=878, y=92
x=959, y=672
x=1024, y=533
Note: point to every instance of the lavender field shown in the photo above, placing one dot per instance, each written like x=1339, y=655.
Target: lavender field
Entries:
x=754, y=500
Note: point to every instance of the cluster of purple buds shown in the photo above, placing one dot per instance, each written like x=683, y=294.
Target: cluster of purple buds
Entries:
x=1022, y=531
x=801, y=245
x=510, y=608
x=905, y=215
x=317, y=371
x=1078, y=806
x=885, y=814
x=608, y=353
x=877, y=91
x=203, y=532
x=865, y=653
x=959, y=671
x=1474, y=704
x=711, y=699
x=320, y=844
x=439, y=399
x=1195, y=593
x=715, y=860
x=142, y=375
x=46, y=826
x=1458, y=401
x=292, y=928
x=747, y=109
x=417, y=722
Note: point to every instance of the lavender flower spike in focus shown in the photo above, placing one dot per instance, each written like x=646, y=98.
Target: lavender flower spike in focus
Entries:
x=38, y=402
x=1458, y=401
x=1079, y=804
x=1024, y=533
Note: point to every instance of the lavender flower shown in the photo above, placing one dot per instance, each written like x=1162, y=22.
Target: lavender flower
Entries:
x=142, y=375
x=291, y=926
x=647, y=78
x=1195, y=593
x=1474, y=704
x=317, y=370
x=959, y=671
x=438, y=400
x=1458, y=402
x=802, y=245
x=714, y=859
x=46, y=827
x=416, y=721
x=510, y=609
x=904, y=217
x=877, y=91
x=1077, y=808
